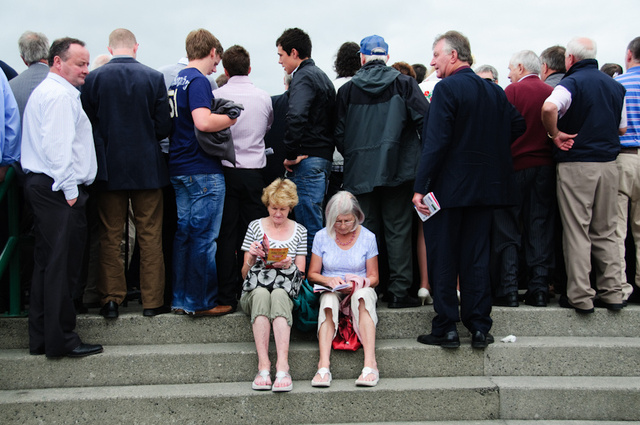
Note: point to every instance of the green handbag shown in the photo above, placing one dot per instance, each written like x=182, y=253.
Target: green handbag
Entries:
x=305, y=308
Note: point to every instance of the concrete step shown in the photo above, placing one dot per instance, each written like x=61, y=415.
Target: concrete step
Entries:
x=393, y=400
x=506, y=422
x=131, y=328
x=400, y=358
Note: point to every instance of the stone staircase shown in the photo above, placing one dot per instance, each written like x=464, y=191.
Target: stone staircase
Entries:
x=563, y=368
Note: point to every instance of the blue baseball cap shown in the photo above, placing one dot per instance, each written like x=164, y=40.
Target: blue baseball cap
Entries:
x=374, y=45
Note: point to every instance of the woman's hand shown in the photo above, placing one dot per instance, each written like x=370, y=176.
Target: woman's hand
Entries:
x=335, y=281
x=256, y=250
x=284, y=264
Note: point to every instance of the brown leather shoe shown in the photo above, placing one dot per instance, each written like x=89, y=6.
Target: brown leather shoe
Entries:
x=219, y=310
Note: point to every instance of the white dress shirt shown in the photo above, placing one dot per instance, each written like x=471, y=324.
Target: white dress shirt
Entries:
x=57, y=139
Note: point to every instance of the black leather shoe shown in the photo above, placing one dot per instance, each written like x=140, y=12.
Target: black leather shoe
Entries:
x=150, y=312
x=563, y=301
x=109, y=310
x=611, y=307
x=509, y=300
x=537, y=299
x=480, y=340
x=403, y=302
x=84, y=350
x=38, y=352
x=448, y=340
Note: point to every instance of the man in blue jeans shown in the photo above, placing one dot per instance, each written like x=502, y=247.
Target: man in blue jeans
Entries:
x=309, y=133
x=198, y=181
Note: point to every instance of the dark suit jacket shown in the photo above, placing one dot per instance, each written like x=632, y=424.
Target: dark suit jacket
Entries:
x=129, y=110
x=466, y=157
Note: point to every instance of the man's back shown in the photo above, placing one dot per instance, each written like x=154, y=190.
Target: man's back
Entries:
x=23, y=85
x=594, y=114
x=128, y=107
x=533, y=148
x=380, y=114
x=631, y=82
x=253, y=123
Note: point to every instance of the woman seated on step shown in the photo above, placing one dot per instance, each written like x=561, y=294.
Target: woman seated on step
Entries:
x=269, y=287
x=346, y=252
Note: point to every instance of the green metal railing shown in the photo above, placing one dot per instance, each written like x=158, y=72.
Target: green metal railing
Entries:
x=10, y=257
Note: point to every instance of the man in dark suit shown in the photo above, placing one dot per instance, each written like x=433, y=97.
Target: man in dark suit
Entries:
x=128, y=108
x=466, y=163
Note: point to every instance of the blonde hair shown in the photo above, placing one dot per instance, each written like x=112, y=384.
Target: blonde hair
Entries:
x=281, y=192
x=342, y=203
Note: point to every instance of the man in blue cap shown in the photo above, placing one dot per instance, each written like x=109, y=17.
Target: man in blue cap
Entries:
x=380, y=113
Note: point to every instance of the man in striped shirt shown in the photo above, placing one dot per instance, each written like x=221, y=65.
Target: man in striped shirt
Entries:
x=629, y=163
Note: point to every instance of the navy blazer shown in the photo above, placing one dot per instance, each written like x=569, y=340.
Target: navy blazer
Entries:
x=127, y=104
x=468, y=130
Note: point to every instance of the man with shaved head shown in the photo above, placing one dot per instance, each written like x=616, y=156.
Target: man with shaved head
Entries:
x=128, y=107
x=583, y=117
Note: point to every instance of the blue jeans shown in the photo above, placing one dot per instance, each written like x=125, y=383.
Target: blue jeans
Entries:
x=310, y=176
x=199, y=202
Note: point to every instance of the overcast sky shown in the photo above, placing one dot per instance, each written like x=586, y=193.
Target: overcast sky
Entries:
x=496, y=29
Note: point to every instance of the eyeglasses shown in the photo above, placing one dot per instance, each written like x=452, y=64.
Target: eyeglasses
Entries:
x=344, y=223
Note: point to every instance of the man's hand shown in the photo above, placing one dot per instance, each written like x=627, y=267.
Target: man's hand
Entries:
x=420, y=206
x=288, y=163
x=564, y=141
x=72, y=202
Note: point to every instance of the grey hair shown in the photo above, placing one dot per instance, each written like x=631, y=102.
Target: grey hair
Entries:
x=455, y=40
x=371, y=58
x=488, y=68
x=582, y=48
x=528, y=59
x=33, y=46
x=342, y=203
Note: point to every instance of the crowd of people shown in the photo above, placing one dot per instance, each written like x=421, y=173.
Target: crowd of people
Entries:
x=239, y=198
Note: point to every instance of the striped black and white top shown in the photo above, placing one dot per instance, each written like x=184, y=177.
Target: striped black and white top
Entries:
x=297, y=243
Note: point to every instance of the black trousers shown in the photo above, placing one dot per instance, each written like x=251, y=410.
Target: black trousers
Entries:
x=242, y=205
x=457, y=241
x=60, y=236
x=528, y=226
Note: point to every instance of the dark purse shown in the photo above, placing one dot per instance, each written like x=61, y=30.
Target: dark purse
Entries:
x=346, y=338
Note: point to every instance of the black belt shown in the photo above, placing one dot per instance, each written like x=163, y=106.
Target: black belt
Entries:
x=632, y=150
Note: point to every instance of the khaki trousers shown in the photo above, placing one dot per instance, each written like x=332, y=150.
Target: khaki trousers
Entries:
x=628, y=203
x=587, y=194
x=147, y=210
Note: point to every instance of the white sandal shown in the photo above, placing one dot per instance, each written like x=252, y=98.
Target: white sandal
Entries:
x=265, y=375
x=322, y=372
x=279, y=377
x=365, y=372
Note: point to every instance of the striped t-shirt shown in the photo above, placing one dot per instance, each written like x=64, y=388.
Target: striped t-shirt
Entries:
x=297, y=243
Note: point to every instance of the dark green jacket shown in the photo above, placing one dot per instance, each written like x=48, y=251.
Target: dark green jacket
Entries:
x=379, y=122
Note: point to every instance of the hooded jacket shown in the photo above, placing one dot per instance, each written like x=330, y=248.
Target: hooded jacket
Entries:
x=379, y=121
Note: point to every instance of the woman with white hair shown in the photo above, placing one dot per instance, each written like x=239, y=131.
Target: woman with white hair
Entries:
x=345, y=252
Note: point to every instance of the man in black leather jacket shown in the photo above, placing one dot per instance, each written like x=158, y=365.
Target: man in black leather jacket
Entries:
x=309, y=130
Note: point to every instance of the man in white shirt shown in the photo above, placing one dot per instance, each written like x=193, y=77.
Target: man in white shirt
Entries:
x=59, y=159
